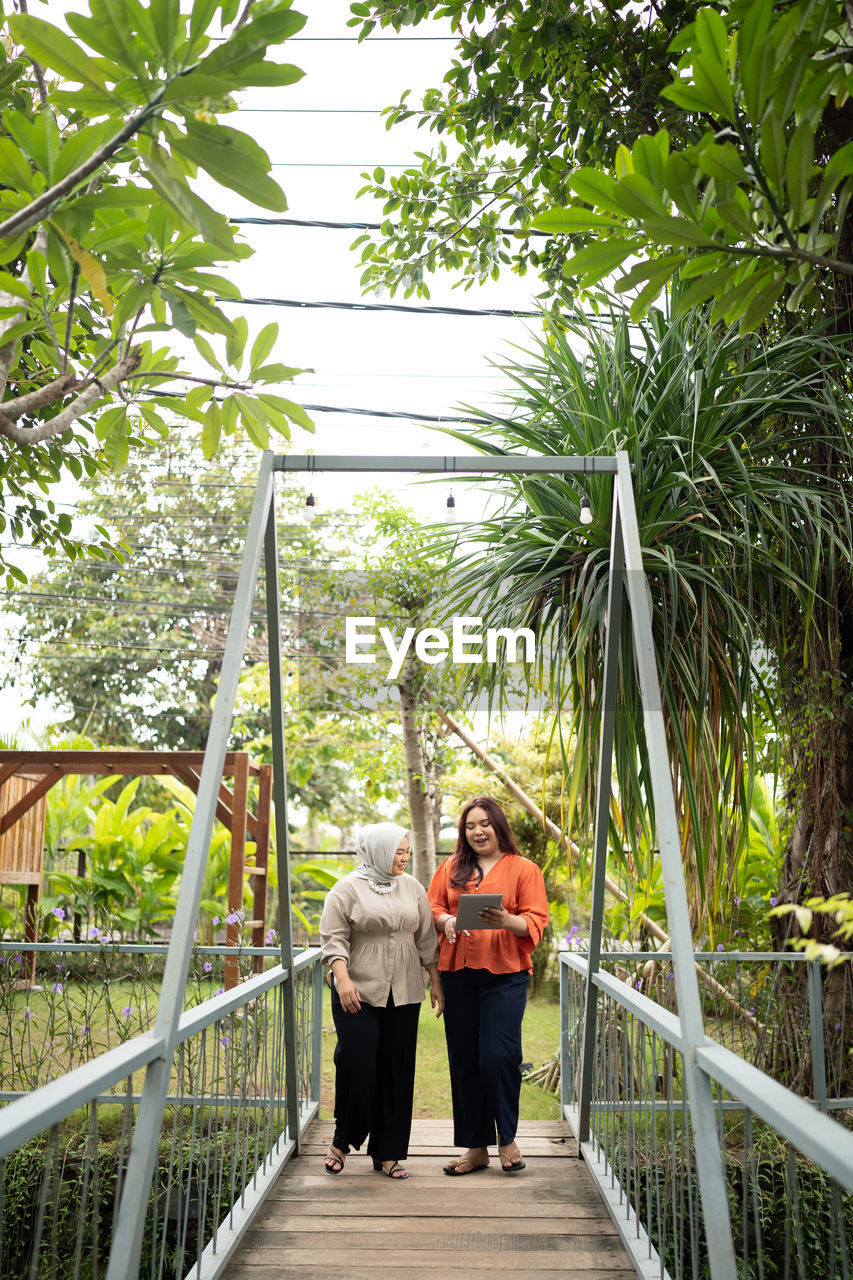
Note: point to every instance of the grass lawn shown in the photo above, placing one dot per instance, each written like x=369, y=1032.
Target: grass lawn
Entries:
x=540, y=1037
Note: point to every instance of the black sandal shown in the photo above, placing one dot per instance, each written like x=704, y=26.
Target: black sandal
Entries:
x=392, y=1172
x=337, y=1157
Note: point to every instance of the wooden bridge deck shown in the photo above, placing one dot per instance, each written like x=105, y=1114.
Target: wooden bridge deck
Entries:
x=548, y=1221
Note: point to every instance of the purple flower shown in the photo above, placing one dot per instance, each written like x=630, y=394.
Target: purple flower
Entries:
x=219, y=991
x=224, y=1042
x=28, y=1013
x=737, y=933
x=751, y=1013
x=127, y=1010
x=2, y=958
x=94, y=932
x=737, y=902
x=773, y=901
x=639, y=984
x=719, y=946
x=207, y=966
x=57, y=988
x=234, y=917
x=17, y=959
x=271, y=939
x=195, y=935
x=669, y=977
x=574, y=929
x=838, y=1026
x=215, y=921
x=85, y=1031
x=58, y=912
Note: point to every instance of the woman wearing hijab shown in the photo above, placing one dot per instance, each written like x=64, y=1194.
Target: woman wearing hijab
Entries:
x=378, y=936
x=485, y=974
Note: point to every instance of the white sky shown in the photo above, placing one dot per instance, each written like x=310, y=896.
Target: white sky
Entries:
x=429, y=364
x=320, y=134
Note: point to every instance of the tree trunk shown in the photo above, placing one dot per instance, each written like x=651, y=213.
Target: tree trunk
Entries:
x=421, y=816
x=818, y=858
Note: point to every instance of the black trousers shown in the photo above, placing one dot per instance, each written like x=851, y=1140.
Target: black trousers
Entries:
x=375, y=1077
x=482, y=1026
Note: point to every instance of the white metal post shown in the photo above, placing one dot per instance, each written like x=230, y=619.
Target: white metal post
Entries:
x=602, y=812
x=130, y=1222
x=709, y=1158
x=282, y=839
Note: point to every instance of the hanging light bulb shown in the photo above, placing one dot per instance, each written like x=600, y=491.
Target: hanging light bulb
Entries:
x=310, y=509
x=586, y=511
x=450, y=508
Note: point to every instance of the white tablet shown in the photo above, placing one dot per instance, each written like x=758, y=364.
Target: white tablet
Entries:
x=470, y=906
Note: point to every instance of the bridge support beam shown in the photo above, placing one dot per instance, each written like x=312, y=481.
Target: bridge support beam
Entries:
x=130, y=1220
x=613, y=625
x=282, y=842
x=710, y=1170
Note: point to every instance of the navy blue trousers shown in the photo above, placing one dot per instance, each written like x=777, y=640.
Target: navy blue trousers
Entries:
x=482, y=1025
x=375, y=1077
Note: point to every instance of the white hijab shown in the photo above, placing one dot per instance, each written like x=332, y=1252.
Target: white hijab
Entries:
x=376, y=845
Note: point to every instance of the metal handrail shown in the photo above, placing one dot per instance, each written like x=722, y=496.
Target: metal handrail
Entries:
x=53, y=1102
x=639, y=1148
x=48, y=1105
x=824, y=1141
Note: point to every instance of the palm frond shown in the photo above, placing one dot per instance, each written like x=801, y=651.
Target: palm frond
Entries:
x=740, y=520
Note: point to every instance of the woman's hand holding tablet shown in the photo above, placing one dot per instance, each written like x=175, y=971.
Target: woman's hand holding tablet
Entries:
x=479, y=911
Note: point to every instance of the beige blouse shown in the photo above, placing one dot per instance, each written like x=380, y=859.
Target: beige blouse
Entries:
x=385, y=938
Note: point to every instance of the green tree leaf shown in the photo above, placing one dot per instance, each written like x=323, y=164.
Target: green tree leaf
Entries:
x=253, y=420
x=799, y=168
x=572, y=221
x=14, y=170
x=293, y=411
x=53, y=48
x=234, y=160
x=596, y=261
x=262, y=346
x=211, y=431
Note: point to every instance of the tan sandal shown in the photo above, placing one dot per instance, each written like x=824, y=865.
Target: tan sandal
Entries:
x=511, y=1160
x=458, y=1168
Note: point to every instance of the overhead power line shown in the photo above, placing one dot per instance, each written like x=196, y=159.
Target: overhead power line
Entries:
x=339, y=164
x=387, y=413
x=324, y=225
x=311, y=111
x=108, y=602
x=372, y=40
x=497, y=313
x=118, y=649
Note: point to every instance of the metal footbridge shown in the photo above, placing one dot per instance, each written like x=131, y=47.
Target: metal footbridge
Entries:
x=197, y=1140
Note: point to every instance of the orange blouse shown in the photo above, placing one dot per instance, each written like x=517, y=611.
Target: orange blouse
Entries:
x=522, y=887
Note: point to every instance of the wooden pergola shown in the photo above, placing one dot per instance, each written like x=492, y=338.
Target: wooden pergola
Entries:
x=27, y=776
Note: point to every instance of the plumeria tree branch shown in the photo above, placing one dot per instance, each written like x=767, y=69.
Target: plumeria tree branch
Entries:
x=81, y=404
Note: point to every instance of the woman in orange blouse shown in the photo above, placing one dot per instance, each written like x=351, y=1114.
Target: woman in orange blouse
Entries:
x=485, y=974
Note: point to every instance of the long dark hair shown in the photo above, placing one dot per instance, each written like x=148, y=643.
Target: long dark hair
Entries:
x=465, y=865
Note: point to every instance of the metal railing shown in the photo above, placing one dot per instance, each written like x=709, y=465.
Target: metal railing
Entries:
x=788, y=1169
x=73, y=1001
x=224, y=1136
x=769, y=1008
